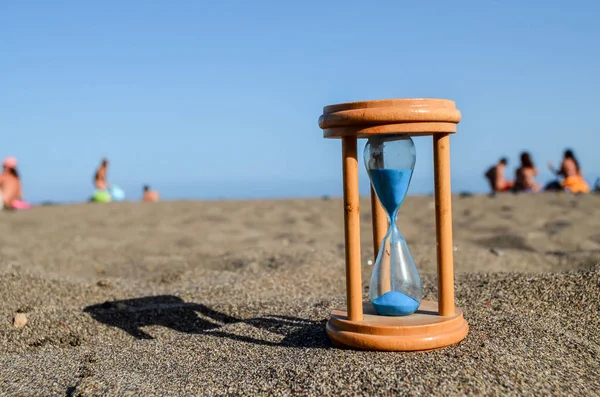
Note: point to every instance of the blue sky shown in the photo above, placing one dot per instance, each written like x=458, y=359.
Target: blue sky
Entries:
x=218, y=98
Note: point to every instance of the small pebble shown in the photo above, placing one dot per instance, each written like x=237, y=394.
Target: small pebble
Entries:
x=496, y=252
x=20, y=320
x=103, y=283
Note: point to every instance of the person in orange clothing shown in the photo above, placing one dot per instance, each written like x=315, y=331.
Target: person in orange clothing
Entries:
x=150, y=195
x=570, y=170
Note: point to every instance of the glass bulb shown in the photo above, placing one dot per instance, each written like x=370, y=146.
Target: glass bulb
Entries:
x=395, y=287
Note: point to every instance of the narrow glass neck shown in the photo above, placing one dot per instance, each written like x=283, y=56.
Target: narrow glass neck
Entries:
x=393, y=217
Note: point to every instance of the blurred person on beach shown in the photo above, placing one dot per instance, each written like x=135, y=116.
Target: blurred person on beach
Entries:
x=495, y=177
x=570, y=171
x=100, y=177
x=105, y=191
x=149, y=194
x=525, y=175
x=10, y=184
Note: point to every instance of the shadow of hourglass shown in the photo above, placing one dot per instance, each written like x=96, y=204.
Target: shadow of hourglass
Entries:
x=132, y=315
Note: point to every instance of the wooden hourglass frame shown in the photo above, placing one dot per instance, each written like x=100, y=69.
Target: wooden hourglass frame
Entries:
x=435, y=324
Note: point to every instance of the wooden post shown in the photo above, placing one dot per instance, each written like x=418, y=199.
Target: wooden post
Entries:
x=443, y=220
x=378, y=216
x=352, y=229
x=380, y=224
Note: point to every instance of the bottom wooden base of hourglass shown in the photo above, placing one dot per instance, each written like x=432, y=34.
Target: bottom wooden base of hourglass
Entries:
x=421, y=331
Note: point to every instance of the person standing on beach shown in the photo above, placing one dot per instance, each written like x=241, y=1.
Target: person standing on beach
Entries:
x=150, y=195
x=495, y=176
x=100, y=178
x=10, y=184
x=525, y=175
x=571, y=172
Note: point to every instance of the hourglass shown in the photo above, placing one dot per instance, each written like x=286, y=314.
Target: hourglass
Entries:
x=394, y=318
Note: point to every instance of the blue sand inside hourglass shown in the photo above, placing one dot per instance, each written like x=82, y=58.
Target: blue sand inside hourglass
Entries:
x=391, y=186
x=394, y=303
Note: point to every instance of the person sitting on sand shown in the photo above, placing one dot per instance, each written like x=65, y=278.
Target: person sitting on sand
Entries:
x=150, y=195
x=525, y=175
x=572, y=177
x=100, y=178
x=495, y=176
x=10, y=184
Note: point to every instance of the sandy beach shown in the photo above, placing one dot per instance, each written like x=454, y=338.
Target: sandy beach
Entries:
x=231, y=298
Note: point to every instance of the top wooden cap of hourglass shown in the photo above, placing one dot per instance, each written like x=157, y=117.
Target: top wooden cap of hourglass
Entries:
x=413, y=116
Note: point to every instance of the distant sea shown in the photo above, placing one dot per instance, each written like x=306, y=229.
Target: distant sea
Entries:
x=245, y=190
